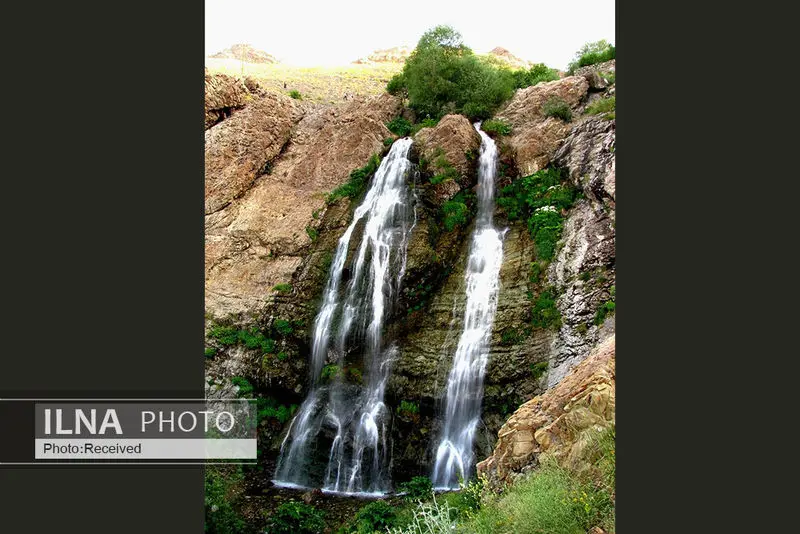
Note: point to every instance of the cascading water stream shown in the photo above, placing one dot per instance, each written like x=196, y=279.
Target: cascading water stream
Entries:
x=454, y=454
x=351, y=320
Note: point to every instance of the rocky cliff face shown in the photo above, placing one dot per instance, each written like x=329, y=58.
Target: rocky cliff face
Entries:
x=268, y=225
x=260, y=239
x=560, y=423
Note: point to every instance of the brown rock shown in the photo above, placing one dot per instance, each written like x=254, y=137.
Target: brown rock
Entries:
x=452, y=143
x=534, y=138
x=259, y=239
x=223, y=95
x=561, y=420
x=597, y=74
x=237, y=149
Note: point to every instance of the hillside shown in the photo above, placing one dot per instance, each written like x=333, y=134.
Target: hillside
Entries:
x=415, y=301
x=246, y=53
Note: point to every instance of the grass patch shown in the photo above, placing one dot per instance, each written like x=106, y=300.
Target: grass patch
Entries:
x=558, y=108
x=496, y=126
x=312, y=232
x=605, y=105
x=282, y=288
x=294, y=93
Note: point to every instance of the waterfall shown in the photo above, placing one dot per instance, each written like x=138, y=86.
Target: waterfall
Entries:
x=350, y=321
x=462, y=408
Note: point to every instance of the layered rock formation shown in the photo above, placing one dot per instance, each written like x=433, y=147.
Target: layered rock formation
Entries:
x=259, y=226
x=224, y=95
x=535, y=137
x=560, y=423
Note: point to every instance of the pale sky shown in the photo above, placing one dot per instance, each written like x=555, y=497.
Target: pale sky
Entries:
x=320, y=32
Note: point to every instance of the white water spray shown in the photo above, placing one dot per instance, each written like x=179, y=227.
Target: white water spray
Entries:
x=454, y=455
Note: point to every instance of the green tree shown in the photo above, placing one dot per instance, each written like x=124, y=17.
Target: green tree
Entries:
x=442, y=75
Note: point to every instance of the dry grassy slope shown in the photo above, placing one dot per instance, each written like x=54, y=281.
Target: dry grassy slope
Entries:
x=321, y=85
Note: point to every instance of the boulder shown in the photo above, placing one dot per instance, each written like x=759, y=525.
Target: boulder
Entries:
x=597, y=75
x=559, y=423
x=452, y=144
x=534, y=138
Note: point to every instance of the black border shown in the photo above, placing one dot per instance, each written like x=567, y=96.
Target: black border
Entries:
x=104, y=245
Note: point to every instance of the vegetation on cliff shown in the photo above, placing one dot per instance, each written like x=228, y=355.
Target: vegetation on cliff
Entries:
x=442, y=75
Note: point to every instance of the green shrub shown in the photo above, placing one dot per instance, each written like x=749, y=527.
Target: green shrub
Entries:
x=496, y=126
x=283, y=326
x=245, y=387
x=591, y=53
x=545, y=314
x=536, y=74
x=295, y=518
x=268, y=408
x=358, y=180
x=295, y=94
x=221, y=496
x=312, y=233
x=511, y=336
x=376, y=516
x=539, y=199
x=602, y=106
x=418, y=488
x=226, y=335
x=210, y=352
x=603, y=311
x=556, y=107
x=388, y=141
x=399, y=126
x=447, y=171
x=408, y=407
x=329, y=372
x=442, y=75
x=283, y=288
x=396, y=85
x=455, y=214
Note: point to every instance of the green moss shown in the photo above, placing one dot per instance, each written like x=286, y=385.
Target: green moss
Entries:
x=312, y=233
